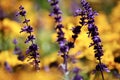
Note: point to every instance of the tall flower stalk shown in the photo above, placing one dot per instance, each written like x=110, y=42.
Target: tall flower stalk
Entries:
x=56, y=13
x=64, y=45
x=88, y=15
x=32, y=51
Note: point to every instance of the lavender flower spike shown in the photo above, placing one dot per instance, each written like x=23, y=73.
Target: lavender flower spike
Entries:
x=89, y=15
x=32, y=51
x=56, y=13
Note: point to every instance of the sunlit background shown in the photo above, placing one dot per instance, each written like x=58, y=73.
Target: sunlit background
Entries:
x=108, y=23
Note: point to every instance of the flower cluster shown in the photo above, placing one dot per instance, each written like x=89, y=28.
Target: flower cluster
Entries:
x=32, y=51
x=56, y=13
x=64, y=45
x=77, y=76
x=88, y=15
x=93, y=30
x=18, y=51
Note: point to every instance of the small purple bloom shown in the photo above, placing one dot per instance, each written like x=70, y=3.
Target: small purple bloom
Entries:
x=115, y=72
x=21, y=7
x=22, y=13
x=27, y=29
x=30, y=38
x=7, y=67
x=102, y=67
x=18, y=51
x=15, y=41
x=33, y=47
x=76, y=70
x=21, y=57
x=58, y=19
x=26, y=21
x=77, y=77
x=59, y=27
x=96, y=39
x=64, y=49
x=76, y=30
x=78, y=12
x=70, y=45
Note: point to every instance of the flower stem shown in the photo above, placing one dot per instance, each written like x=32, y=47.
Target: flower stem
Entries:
x=65, y=62
x=101, y=70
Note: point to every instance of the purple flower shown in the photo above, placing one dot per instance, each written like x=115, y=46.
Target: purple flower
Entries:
x=58, y=19
x=8, y=67
x=77, y=76
x=21, y=7
x=76, y=70
x=56, y=10
x=88, y=19
x=115, y=72
x=64, y=48
x=70, y=45
x=26, y=21
x=32, y=47
x=102, y=67
x=88, y=13
x=76, y=30
x=78, y=12
x=22, y=12
x=30, y=38
x=27, y=29
x=31, y=52
x=15, y=41
x=18, y=51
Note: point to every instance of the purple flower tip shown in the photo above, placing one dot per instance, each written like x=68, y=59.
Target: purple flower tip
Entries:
x=78, y=77
x=102, y=67
x=27, y=29
x=76, y=70
x=21, y=7
x=15, y=41
x=8, y=67
x=30, y=38
x=21, y=57
x=26, y=21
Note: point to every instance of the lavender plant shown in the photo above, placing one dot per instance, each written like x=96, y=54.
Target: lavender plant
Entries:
x=64, y=45
x=32, y=51
x=88, y=19
x=56, y=13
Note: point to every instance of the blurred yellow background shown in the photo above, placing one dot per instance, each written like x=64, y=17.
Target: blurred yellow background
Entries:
x=108, y=23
